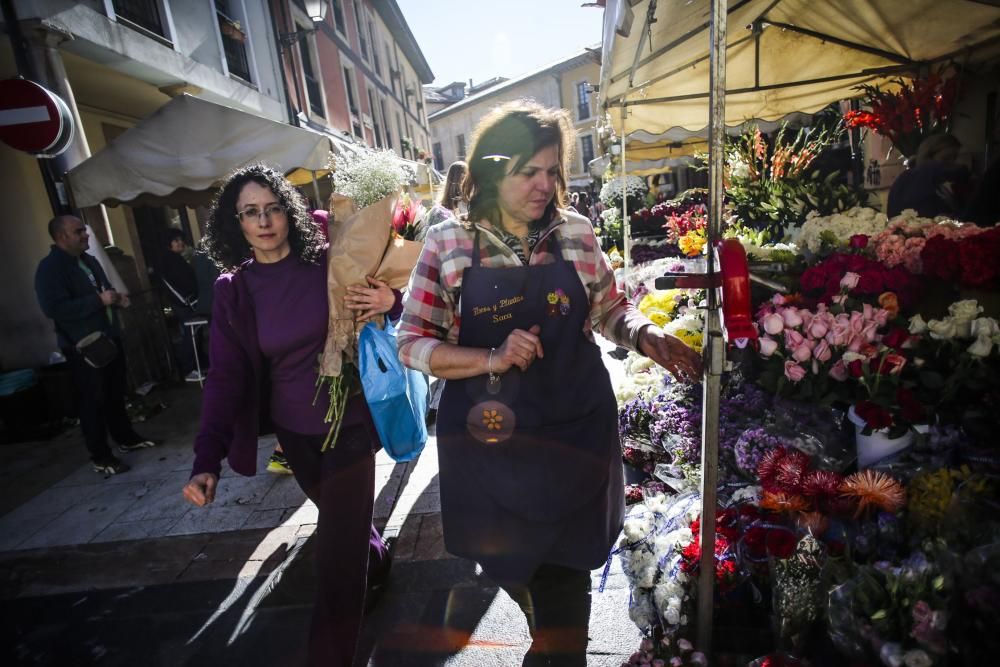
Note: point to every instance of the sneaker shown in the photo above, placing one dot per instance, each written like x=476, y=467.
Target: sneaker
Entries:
x=111, y=466
x=194, y=376
x=278, y=464
x=127, y=447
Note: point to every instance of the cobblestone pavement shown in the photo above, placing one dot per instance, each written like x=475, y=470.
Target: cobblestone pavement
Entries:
x=120, y=571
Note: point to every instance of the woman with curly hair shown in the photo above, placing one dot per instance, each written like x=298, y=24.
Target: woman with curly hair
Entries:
x=269, y=324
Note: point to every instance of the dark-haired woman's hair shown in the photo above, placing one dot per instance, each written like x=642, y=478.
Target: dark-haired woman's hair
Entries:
x=451, y=195
x=224, y=239
x=505, y=139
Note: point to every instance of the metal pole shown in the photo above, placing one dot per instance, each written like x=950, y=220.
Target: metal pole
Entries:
x=714, y=344
x=319, y=204
x=626, y=227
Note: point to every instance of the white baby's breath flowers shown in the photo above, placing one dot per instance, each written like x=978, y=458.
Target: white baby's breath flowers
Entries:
x=368, y=177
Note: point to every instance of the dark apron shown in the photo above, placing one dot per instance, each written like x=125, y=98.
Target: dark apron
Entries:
x=531, y=474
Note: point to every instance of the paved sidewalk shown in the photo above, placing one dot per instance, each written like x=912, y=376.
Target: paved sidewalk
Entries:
x=121, y=571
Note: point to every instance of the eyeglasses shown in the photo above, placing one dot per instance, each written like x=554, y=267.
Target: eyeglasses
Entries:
x=252, y=214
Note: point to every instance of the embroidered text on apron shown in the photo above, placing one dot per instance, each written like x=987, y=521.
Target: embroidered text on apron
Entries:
x=531, y=474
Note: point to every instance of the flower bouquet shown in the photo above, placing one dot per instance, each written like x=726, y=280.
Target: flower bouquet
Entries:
x=916, y=110
x=823, y=234
x=360, y=230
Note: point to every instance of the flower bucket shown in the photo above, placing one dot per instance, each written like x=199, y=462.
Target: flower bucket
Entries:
x=877, y=446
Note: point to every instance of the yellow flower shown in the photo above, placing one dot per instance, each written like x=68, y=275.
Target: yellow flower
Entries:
x=658, y=317
x=552, y=298
x=492, y=420
x=692, y=243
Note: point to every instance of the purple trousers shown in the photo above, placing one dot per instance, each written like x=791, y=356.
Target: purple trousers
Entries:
x=341, y=481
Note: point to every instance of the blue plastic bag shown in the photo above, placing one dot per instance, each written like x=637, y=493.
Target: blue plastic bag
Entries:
x=396, y=395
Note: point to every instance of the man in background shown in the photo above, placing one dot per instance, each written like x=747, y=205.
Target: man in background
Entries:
x=74, y=292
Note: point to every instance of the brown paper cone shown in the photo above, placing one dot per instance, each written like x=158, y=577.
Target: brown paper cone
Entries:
x=397, y=265
x=358, y=241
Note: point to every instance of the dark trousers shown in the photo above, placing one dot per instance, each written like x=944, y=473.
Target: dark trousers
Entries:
x=341, y=481
x=556, y=603
x=101, y=400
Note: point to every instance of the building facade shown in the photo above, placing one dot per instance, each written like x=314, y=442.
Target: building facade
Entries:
x=566, y=84
x=359, y=76
x=115, y=62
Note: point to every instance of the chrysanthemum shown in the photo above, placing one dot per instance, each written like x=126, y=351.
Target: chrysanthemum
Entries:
x=791, y=470
x=821, y=483
x=783, y=502
x=873, y=489
x=767, y=469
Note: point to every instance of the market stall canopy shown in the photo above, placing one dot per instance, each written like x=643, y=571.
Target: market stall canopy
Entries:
x=180, y=153
x=783, y=56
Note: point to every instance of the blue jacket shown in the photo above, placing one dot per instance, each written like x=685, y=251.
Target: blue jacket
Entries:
x=70, y=299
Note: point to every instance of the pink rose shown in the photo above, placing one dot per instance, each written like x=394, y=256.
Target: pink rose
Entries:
x=791, y=317
x=838, y=299
x=793, y=371
x=802, y=353
x=793, y=339
x=822, y=351
x=849, y=281
x=838, y=371
x=818, y=327
x=773, y=324
x=767, y=346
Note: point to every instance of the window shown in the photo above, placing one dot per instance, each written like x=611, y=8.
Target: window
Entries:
x=313, y=90
x=460, y=142
x=438, y=157
x=375, y=59
x=402, y=137
x=376, y=125
x=145, y=14
x=393, y=73
x=385, y=120
x=351, y=86
x=338, y=16
x=582, y=100
x=362, y=38
x=233, y=41
x=586, y=150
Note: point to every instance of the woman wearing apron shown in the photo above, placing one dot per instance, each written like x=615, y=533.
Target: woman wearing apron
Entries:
x=503, y=305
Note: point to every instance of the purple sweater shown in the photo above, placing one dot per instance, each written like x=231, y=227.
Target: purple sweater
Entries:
x=255, y=353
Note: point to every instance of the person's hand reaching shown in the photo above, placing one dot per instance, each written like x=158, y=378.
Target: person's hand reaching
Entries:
x=369, y=301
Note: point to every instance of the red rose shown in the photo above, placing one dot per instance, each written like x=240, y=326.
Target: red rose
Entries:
x=940, y=259
x=813, y=280
x=859, y=241
x=870, y=282
x=910, y=408
x=755, y=541
x=896, y=338
x=875, y=416
x=780, y=543
x=856, y=369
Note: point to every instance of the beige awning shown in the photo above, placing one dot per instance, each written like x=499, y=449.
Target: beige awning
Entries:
x=178, y=155
x=783, y=56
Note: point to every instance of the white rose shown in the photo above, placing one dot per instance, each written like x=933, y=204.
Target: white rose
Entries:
x=942, y=329
x=984, y=326
x=965, y=311
x=982, y=347
x=917, y=658
x=917, y=325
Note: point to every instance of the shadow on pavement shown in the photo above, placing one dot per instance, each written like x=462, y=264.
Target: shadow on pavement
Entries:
x=433, y=604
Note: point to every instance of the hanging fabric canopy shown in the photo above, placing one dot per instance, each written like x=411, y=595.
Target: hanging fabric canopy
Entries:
x=783, y=56
x=179, y=154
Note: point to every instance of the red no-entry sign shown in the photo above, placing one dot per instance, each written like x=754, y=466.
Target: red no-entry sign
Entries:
x=34, y=119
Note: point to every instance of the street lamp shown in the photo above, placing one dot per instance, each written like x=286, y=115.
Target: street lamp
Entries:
x=316, y=10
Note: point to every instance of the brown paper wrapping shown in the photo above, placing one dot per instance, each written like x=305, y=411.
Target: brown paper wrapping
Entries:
x=361, y=245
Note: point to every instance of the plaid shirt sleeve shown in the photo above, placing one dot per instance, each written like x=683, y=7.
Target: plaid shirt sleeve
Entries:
x=429, y=316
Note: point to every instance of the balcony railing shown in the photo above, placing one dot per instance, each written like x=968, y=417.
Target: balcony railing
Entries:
x=143, y=13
